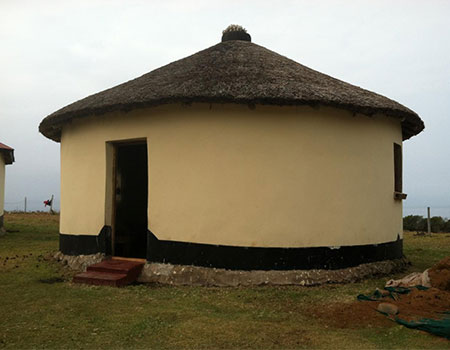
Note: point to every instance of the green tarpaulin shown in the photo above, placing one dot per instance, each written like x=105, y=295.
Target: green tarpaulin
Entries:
x=439, y=326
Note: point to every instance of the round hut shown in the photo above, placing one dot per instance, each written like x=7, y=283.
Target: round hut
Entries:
x=6, y=157
x=235, y=157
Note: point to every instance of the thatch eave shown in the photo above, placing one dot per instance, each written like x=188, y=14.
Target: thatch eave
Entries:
x=51, y=127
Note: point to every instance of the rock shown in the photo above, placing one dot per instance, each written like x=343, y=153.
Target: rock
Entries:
x=388, y=308
x=382, y=292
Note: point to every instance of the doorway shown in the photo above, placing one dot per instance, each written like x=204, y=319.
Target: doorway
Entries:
x=130, y=200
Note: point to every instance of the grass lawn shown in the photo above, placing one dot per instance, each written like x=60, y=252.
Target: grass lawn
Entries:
x=41, y=308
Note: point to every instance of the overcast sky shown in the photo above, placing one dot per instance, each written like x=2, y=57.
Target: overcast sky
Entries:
x=53, y=53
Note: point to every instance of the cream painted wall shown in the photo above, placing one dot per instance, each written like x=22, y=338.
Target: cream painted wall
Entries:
x=2, y=184
x=227, y=174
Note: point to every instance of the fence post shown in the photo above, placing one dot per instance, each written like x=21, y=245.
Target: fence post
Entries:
x=428, y=220
x=51, y=205
x=25, y=204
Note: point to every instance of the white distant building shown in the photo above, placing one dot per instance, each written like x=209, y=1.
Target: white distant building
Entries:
x=6, y=157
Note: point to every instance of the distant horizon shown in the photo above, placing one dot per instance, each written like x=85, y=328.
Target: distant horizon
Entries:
x=38, y=205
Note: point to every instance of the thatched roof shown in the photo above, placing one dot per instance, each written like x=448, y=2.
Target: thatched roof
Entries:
x=233, y=71
x=7, y=153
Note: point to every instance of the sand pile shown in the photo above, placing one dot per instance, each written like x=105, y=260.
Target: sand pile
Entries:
x=422, y=304
x=440, y=275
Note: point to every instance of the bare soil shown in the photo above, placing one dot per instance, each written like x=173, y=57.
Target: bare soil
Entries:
x=423, y=304
x=415, y=305
x=351, y=315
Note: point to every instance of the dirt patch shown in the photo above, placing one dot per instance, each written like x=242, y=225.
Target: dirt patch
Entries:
x=51, y=280
x=354, y=315
x=413, y=306
x=440, y=275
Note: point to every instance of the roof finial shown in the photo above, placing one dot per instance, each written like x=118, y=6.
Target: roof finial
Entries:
x=235, y=32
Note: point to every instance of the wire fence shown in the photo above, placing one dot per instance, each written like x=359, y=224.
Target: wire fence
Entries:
x=30, y=205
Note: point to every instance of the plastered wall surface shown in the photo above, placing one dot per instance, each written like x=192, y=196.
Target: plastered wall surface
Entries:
x=230, y=175
x=2, y=185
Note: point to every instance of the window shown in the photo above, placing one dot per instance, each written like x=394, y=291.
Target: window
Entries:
x=398, y=173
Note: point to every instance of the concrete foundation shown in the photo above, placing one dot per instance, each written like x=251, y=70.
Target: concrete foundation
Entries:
x=202, y=276
x=79, y=262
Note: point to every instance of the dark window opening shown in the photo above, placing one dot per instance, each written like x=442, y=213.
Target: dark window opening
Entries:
x=131, y=188
x=398, y=187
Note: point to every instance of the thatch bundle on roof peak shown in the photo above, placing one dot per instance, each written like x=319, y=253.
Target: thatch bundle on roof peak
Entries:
x=235, y=32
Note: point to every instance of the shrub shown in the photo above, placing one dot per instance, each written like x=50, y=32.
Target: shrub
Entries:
x=412, y=222
x=419, y=223
x=437, y=224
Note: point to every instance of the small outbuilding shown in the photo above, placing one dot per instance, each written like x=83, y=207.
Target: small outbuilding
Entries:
x=235, y=157
x=6, y=157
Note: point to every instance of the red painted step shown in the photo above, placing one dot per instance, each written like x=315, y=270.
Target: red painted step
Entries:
x=112, y=272
x=101, y=278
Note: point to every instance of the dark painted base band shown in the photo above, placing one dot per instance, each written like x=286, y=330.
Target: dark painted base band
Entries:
x=86, y=244
x=240, y=258
x=255, y=258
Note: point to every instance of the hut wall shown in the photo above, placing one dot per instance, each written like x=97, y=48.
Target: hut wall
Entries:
x=230, y=175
